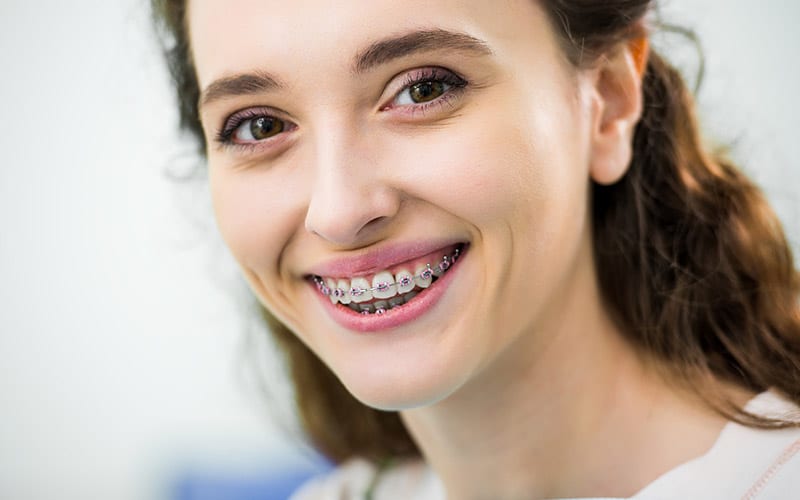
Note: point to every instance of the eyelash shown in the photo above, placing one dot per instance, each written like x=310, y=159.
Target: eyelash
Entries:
x=456, y=84
x=232, y=124
x=436, y=75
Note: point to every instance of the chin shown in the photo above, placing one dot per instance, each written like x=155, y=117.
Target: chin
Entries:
x=400, y=390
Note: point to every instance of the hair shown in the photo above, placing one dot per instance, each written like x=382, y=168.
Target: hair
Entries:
x=692, y=262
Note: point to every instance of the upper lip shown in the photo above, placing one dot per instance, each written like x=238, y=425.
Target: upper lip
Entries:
x=376, y=259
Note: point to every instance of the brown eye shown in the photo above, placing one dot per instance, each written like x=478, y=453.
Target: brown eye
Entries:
x=426, y=91
x=265, y=127
x=258, y=129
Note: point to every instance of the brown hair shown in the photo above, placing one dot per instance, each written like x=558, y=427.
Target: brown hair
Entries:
x=692, y=262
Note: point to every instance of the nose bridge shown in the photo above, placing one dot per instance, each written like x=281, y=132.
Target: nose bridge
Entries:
x=350, y=195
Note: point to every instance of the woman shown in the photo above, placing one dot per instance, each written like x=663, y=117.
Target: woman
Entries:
x=489, y=242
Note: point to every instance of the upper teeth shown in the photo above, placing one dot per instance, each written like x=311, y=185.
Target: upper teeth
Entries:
x=384, y=285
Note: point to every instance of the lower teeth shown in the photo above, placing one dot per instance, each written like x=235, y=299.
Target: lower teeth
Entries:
x=396, y=301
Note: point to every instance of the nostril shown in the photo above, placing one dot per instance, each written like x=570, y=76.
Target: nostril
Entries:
x=348, y=213
x=377, y=222
x=346, y=229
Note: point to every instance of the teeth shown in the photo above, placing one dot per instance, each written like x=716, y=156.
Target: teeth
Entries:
x=443, y=265
x=344, y=296
x=405, y=281
x=332, y=285
x=383, y=286
x=385, y=291
x=424, y=276
x=362, y=293
x=381, y=306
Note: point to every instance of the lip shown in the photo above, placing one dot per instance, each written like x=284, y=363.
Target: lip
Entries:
x=379, y=259
x=399, y=316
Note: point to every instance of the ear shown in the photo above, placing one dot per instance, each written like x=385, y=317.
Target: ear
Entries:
x=618, y=107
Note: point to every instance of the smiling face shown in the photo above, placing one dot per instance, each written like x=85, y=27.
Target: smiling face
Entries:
x=351, y=143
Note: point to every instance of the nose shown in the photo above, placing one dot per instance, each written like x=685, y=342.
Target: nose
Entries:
x=351, y=200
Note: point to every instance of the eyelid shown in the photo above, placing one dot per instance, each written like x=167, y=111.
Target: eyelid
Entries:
x=402, y=82
x=412, y=112
x=224, y=135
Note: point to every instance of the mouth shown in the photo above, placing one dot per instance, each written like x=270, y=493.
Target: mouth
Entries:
x=398, y=292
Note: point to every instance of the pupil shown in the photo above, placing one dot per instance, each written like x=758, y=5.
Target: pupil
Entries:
x=426, y=91
x=265, y=127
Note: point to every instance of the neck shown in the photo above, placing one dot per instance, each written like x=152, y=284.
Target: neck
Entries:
x=568, y=411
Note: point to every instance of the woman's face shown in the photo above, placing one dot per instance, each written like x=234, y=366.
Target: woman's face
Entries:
x=351, y=143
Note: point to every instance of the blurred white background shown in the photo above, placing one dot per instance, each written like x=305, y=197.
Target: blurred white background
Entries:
x=122, y=321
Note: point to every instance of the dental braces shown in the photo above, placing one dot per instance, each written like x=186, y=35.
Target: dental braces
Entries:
x=429, y=272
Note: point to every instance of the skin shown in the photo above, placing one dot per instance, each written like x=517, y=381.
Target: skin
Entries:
x=517, y=384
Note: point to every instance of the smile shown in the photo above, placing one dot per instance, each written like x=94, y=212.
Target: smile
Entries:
x=388, y=289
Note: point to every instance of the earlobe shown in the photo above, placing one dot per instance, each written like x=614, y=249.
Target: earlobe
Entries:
x=618, y=94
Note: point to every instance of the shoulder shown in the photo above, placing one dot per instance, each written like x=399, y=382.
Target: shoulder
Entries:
x=355, y=478
x=744, y=463
x=776, y=452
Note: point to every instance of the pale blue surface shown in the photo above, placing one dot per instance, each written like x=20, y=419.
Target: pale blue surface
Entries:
x=273, y=485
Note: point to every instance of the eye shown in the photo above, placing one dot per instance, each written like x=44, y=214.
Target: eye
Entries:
x=253, y=127
x=422, y=92
x=420, y=89
x=258, y=129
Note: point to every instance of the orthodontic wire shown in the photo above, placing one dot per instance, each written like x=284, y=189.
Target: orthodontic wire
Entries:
x=443, y=266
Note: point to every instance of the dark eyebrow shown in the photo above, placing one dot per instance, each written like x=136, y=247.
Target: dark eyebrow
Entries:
x=243, y=84
x=384, y=51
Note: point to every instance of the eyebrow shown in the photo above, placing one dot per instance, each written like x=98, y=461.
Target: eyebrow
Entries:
x=236, y=85
x=376, y=54
x=384, y=51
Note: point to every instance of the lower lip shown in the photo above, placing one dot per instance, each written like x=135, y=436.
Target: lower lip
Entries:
x=392, y=318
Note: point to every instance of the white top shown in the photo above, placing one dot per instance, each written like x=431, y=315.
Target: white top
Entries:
x=744, y=463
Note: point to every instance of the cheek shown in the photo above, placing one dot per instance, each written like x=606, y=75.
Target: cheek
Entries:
x=255, y=214
x=517, y=173
x=515, y=164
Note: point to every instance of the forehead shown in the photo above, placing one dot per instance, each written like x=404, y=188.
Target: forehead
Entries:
x=229, y=36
